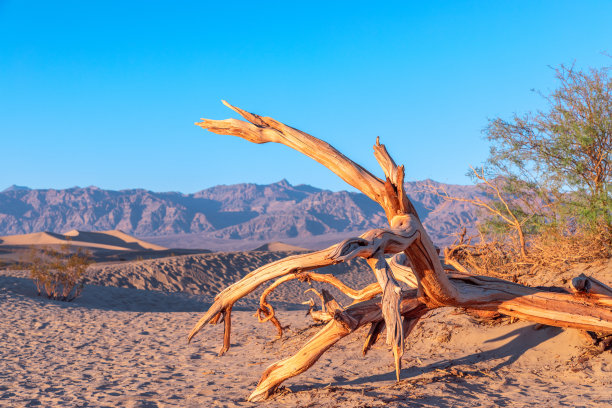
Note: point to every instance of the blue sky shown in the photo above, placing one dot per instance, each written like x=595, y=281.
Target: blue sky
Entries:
x=106, y=93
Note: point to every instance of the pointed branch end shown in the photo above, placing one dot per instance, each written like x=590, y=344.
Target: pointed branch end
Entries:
x=234, y=108
x=397, y=354
x=258, y=396
x=191, y=334
x=195, y=331
x=212, y=317
x=211, y=125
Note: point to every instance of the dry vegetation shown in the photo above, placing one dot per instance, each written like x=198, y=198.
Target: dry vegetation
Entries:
x=548, y=184
x=550, y=250
x=59, y=274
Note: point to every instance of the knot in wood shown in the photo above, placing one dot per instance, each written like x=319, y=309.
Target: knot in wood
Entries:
x=347, y=247
x=345, y=319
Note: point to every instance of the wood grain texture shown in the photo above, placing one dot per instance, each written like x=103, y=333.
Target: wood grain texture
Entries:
x=415, y=263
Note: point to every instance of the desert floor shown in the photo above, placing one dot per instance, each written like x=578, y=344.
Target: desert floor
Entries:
x=127, y=347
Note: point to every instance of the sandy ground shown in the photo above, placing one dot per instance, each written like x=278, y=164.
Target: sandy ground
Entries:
x=208, y=274
x=127, y=347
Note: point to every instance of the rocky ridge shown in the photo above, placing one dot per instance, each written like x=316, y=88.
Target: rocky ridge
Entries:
x=277, y=211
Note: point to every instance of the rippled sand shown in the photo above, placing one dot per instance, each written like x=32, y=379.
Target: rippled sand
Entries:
x=127, y=347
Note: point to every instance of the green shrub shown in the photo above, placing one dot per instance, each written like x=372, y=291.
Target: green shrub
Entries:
x=561, y=154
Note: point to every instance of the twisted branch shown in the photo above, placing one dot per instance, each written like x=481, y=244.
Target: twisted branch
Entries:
x=419, y=266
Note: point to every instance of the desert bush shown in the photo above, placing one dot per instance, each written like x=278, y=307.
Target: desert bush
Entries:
x=59, y=273
x=548, y=180
x=563, y=154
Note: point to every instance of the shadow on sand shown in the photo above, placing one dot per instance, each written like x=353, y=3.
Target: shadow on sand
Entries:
x=129, y=299
x=109, y=298
x=520, y=340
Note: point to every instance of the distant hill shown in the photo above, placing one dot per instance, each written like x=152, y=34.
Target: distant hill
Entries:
x=248, y=213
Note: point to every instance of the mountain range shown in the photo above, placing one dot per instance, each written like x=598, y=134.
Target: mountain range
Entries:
x=227, y=216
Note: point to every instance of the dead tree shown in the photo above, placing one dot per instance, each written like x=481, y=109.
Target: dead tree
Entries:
x=416, y=262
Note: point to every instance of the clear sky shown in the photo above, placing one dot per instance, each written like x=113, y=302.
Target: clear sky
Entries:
x=106, y=93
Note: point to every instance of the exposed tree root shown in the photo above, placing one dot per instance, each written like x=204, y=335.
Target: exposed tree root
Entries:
x=416, y=263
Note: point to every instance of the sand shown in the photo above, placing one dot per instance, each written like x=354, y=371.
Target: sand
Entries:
x=208, y=274
x=279, y=246
x=125, y=346
x=110, y=240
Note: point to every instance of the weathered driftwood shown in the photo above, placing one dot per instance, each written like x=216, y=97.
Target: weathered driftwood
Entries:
x=329, y=306
x=586, y=286
x=391, y=299
x=417, y=265
x=266, y=311
x=343, y=324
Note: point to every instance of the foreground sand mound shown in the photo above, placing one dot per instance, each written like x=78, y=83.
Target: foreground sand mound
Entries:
x=210, y=273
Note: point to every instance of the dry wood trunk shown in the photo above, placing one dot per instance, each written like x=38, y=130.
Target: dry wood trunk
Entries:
x=416, y=263
x=343, y=324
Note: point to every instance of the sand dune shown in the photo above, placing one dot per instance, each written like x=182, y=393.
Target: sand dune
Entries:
x=204, y=240
x=208, y=274
x=279, y=246
x=127, y=347
x=121, y=345
x=110, y=240
x=37, y=238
